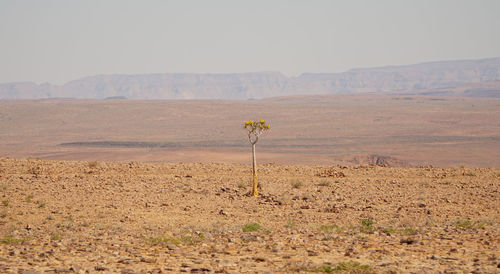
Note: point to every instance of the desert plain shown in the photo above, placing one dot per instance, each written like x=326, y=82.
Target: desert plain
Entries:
x=402, y=130
x=353, y=184
x=86, y=217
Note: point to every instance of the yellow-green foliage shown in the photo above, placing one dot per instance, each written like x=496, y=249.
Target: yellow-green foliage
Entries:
x=329, y=228
x=9, y=239
x=55, y=237
x=251, y=227
x=256, y=128
x=186, y=240
x=296, y=183
x=367, y=226
x=344, y=267
x=254, y=125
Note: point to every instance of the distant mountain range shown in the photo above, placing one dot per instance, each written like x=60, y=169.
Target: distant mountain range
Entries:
x=478, y=78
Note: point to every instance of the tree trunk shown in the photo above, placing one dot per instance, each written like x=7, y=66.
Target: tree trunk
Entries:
x=255, y=191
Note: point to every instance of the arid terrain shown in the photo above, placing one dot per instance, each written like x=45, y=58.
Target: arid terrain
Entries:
x=77, y=216
x=133, y=135
x=355, y=183
x=398, y=130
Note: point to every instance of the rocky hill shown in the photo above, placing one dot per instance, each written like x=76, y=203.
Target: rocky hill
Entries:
x=446, y=77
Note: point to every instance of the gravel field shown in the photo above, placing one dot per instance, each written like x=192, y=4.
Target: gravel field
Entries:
x=130, y=217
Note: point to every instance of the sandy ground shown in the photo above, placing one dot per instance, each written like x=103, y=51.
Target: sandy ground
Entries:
x=131, y=217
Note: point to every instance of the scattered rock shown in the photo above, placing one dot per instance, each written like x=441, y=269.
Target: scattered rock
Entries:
x=249, y=238
x=148, y=260
x=312, y=253
x=259, y=259
x=62, y=270
x=408, y=241
x=22, y=271
x=330, y=173
x=124, y=261
x=90, y=221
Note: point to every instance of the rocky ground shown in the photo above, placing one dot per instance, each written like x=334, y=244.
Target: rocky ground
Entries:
x=151, y=217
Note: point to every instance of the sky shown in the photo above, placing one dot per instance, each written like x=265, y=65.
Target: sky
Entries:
x=58, y=41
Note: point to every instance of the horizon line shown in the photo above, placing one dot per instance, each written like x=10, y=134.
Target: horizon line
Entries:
x=250, y=72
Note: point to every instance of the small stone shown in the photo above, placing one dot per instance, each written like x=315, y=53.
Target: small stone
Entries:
x=100, y=268
x=249, y=238
x=148, y=260
x=75, y=268
x=407, y=241
x=259, y=259
x=312, y=253
x=208, y=235
x=202, y=269
x=22, y=271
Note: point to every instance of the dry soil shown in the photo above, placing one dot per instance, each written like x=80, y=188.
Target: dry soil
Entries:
x=129, y=217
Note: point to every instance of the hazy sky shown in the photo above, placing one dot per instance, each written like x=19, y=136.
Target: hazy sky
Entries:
x=58, y=41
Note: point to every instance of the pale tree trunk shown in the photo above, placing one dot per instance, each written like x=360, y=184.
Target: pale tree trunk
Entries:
x=255, y=191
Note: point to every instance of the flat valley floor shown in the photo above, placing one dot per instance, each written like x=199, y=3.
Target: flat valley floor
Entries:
x=130, y=217
x=402, y=130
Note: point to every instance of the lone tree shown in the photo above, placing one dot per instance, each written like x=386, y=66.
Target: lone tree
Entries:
x=255, y=129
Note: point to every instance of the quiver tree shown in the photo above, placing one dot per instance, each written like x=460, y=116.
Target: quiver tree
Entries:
x=255, y=129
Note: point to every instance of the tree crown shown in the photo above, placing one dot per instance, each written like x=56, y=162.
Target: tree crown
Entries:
x=255, y=129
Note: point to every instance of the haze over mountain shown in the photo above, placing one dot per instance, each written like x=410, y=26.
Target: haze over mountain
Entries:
x=465, y=77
